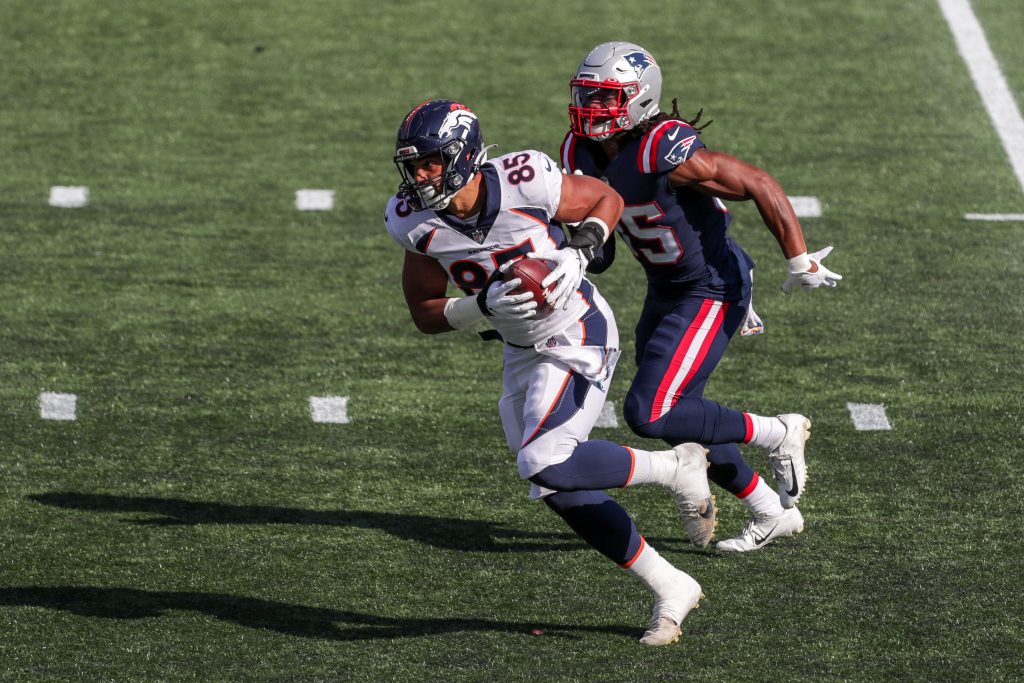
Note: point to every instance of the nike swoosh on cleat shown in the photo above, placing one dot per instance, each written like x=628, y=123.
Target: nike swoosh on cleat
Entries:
x=709, y=511
x=764, y=539
x=796, y=486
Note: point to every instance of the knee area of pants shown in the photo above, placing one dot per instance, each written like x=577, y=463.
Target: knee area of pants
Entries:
x=532, y=461
x=551, y=479
x=637, y=421
x=633, y=414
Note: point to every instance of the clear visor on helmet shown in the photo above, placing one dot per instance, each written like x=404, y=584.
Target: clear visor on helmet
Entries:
x=430, y=179
x=599, y=109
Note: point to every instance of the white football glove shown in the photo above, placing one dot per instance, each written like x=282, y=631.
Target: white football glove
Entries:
x=570, y=266
x=752, y=324
x=801, y=277
x=501, y=304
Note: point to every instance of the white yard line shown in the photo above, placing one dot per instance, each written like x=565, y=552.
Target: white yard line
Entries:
x=806, y=207
x=988, y=79
x=608, y=417
x=868, y=417
x=314, y=200
x=333, y=409
x=994, y=216
x=54, y=406
x=69, y=197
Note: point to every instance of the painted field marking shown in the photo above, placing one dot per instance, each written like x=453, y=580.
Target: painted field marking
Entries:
x=988, y=79
x=333, y=409
x=994, y=216
x=608, y=417
x=314, y=200
x=53, y=406
x=868, y=417
x=69, y=197
x=806, y=207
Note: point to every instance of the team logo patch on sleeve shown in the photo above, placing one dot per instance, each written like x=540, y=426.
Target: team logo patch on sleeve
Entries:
x=681, y=151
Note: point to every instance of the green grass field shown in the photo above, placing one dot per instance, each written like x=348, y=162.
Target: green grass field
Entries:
x=193, y=522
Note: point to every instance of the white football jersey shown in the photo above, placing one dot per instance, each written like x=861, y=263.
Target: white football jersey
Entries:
x=523, y=192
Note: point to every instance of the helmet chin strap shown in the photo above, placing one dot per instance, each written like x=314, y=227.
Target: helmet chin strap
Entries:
x=480, y=160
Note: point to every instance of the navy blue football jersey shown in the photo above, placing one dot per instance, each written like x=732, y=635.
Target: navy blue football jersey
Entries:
x=680, y=236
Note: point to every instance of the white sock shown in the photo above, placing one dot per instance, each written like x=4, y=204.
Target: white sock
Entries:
x=768, y=431
x=652, y=467
x=654, y=570
x=763, y=501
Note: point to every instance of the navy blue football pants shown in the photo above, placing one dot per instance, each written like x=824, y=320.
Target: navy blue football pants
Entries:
x=678, y=344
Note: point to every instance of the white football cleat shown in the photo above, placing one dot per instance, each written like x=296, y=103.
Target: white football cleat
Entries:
x=670, y=610
x=787, y=461
x=760, y=531
x=692, y=493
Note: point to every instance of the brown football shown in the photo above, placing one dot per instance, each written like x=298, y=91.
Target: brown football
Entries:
x=531, y=272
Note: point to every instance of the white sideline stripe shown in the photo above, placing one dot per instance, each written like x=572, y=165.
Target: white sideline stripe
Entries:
x=988, y=79
x=69, y=197
x=608, y=417
x=54, y=406
x=332, y=409
x=994, y=216
x=868, y=417
x=314, y=200
x=806, y=207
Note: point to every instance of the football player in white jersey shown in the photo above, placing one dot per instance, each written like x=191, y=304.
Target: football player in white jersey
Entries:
x=461, y=219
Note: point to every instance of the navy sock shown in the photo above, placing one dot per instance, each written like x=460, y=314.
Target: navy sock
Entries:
x=728, y=468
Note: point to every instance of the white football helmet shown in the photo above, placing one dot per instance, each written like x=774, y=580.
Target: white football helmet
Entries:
x=616, y=86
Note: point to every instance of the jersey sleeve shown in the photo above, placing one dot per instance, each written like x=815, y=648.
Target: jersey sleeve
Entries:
x=567, y=153
x=575, y=156
x=552, y=176
x=531, y=179
x=667, y=145
x=404, y=229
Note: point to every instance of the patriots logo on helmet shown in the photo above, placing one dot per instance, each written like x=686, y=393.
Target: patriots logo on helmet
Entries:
x=457, y=124
x=639, y=61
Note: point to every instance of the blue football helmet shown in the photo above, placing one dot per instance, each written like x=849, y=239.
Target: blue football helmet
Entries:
x=440, y=127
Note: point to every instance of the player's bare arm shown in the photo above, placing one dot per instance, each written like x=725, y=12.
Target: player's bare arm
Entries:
x=597, y=208
x=724, y=176
x=425, y=284
x=727, y=177
x=585, y=197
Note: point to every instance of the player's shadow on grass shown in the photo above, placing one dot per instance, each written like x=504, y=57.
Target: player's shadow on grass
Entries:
x=295, y=620
x=441, y=532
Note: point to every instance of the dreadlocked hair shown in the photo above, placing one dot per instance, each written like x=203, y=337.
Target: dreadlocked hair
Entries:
x=645, y=126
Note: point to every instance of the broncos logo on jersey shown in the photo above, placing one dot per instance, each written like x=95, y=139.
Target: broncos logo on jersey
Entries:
x=639, y=61
x=457, y=124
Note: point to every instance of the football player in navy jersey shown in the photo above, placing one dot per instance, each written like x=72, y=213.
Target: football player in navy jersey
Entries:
x=699, y=279
x=461, y=219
